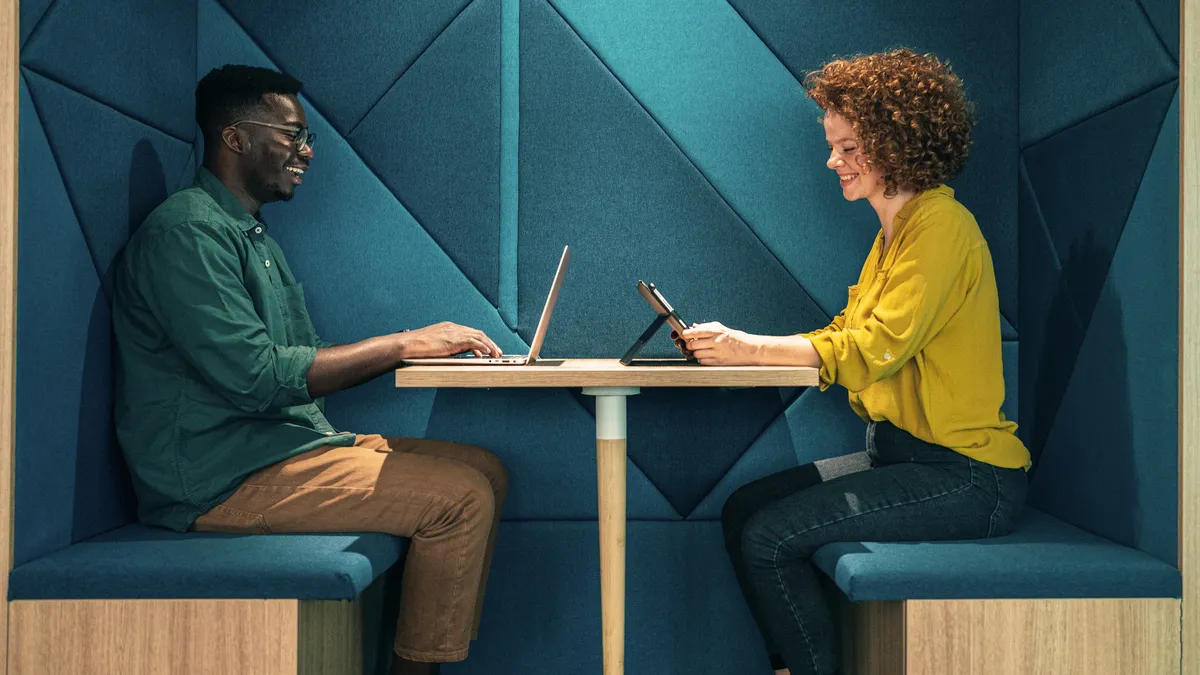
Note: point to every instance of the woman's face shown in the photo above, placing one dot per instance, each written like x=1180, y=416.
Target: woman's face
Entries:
x=845, y=157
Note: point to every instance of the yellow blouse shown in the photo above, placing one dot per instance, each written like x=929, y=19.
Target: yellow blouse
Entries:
x=918, y=343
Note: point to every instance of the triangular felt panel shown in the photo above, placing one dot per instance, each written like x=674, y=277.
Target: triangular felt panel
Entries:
x=116, y=169
x=547, y=442
x=1078, y=59
x=32, y=13
x=1111, y=462
x=437, y=147
x=221, y=40
x=685, y=439
x=72, y=480
x=597, y=173
x=136, y=56
x=1085, y=179
x=379, y=407
x=743, y=119
x=1051, y=331
x=1164, y=16
x=816, y=426
x=978, y=39
x=359, y=52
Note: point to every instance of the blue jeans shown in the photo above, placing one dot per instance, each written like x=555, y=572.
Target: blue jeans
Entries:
x=900, y=489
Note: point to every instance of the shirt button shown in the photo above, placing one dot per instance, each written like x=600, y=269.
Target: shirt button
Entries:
x=330, y=433
x=887, y=356
x=258, y=230
x=268, y=263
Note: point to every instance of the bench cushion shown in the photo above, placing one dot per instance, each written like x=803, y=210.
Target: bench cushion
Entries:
x=1043, y=558
x=137, y=561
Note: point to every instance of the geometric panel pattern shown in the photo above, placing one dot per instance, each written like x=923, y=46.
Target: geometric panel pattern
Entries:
x=1164, y=16
x=129, y=56
x=1110, y=461
x=1081, y=58
x=437, y=147
x=141, y=162
x=347, y=59
x=654, y=156
x=1098, y=192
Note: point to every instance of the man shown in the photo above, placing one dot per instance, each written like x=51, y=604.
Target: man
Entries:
x=220, y=379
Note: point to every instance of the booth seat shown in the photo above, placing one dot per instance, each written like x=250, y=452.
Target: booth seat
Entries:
x=1043, y=557
x=137, y=561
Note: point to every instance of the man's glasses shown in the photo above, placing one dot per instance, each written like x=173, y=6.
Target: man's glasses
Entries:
x=301, y=137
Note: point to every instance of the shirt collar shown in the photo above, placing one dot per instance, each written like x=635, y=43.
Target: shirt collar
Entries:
x=912, y=204
x=208, y=181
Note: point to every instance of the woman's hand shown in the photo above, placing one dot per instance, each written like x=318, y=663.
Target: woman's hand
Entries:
x=713, y=344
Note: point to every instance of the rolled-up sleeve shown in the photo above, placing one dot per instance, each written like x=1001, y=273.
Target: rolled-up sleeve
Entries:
x=193, y=281
x=921, y=281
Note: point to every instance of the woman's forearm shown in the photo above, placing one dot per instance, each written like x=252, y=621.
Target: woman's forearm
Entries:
x=787, y=350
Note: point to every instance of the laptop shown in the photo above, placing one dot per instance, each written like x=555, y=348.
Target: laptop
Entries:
x=538, y=337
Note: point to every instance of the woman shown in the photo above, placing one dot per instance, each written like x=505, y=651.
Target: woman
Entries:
x=917, y=346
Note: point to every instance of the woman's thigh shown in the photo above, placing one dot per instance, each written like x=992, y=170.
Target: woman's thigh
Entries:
x=895, y=502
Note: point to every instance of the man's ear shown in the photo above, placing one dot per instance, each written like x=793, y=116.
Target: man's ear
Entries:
x=234, y=140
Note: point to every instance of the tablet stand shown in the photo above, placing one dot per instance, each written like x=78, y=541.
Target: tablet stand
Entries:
x=633, y=350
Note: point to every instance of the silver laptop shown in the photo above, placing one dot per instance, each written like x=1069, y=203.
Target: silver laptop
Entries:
x=538, y=337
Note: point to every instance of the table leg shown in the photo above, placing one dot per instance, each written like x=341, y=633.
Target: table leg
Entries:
x=610, y=481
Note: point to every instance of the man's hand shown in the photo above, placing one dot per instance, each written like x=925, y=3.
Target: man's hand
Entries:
x=713, y=344
x=445, y=339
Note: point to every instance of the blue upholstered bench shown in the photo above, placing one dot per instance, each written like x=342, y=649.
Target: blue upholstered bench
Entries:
x=1043, y=558
x=136, y=561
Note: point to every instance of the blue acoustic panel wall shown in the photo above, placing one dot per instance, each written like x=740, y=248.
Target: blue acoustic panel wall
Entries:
x=105, y=134
x=1099, y=281
x=1081, y=58
x=684, y=613
x=977, y=40
x=1111, y=463
x=129, y=56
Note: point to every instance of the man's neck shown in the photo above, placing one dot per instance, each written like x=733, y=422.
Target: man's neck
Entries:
x=236, y=185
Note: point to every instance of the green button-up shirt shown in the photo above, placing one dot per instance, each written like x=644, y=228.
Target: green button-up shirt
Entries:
x=213, y=347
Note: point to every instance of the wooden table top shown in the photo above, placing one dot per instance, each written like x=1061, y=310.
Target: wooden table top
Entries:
x=606, y=373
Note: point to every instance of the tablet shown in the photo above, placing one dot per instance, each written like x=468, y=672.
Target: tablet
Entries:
x=661, y=306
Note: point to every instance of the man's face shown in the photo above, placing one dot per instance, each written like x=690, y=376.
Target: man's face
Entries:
x=273, y=164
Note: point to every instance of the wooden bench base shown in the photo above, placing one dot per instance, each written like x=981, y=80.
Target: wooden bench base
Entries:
x=1012, y=637
x=185, y=637
x=290, y=637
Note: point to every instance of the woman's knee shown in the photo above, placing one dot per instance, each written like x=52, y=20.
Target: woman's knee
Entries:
x=738, y=508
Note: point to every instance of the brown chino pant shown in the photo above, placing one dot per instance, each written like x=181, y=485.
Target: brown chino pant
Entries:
x=445, y=496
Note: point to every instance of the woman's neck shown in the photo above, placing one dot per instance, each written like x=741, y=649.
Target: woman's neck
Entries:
x=887, y=208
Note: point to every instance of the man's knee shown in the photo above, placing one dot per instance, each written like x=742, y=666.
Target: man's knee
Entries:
x=491, y=466
x=478, y=497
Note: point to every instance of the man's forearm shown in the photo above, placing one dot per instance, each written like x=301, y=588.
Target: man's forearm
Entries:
x=344, y=366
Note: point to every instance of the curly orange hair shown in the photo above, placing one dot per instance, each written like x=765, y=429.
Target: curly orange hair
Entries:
x=909, y=110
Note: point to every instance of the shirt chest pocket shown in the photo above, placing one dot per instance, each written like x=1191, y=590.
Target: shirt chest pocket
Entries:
x=863, y=299
x=297, y=323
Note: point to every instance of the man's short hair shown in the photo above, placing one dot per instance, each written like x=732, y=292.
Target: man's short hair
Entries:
x=233, y=92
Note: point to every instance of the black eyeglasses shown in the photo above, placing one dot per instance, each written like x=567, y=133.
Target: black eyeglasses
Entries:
x=301, y=137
